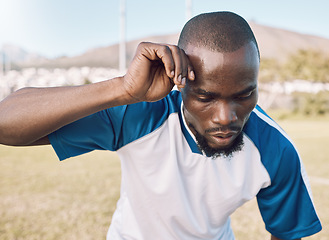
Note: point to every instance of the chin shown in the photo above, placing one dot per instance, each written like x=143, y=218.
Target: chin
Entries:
x=214, y=151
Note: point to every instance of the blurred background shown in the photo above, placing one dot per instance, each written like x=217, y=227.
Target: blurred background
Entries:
x=49, y=43
x=71, y=42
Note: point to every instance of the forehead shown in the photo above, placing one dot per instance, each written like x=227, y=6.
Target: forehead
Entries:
x=226, y=70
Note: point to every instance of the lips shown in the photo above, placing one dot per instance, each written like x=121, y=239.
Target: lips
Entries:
x=222, y=139
x=224, y=134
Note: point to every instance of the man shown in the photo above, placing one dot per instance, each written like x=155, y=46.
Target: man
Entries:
x=190, y=157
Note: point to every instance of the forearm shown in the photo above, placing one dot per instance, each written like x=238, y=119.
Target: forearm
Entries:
x=32, y=113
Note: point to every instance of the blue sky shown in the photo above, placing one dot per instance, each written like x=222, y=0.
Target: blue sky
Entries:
x=70, y=27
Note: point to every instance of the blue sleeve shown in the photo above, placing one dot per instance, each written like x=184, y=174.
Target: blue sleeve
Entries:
x=112, y=128
x=286, y=205
x=94, y=132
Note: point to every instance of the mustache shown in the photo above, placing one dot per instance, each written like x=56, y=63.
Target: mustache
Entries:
x=223, y=129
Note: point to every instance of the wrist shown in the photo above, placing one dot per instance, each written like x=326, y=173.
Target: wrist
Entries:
x=116, y=93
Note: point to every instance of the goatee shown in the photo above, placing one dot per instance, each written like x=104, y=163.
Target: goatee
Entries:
x=228, y=152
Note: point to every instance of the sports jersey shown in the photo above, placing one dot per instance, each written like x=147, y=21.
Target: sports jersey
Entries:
x=171, y=190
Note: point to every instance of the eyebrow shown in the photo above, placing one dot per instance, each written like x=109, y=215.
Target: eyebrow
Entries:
x=247, y=90
x=207, y=93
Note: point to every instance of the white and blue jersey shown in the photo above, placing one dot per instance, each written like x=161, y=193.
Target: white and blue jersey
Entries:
x=170, y=190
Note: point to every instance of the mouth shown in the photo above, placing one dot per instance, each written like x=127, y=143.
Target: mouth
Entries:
x=222, y=139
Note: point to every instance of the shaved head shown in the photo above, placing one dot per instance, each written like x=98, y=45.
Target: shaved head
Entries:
x=217, y=31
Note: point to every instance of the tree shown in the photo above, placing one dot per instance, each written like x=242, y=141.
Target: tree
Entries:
x=307, y=65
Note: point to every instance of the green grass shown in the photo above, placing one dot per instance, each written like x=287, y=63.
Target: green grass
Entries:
x=42, y=198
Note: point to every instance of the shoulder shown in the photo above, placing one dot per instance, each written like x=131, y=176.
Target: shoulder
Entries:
x=286, y=205
x=274, y=145
x=134, y=121
x=169, y=104
x=264, y=131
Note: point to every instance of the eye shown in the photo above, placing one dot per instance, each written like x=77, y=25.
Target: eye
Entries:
x=245, y=95
x=203, y=98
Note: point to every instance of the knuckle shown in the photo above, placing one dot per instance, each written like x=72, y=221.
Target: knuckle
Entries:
x=143, y=45
x=165, y=49
x=175, y=49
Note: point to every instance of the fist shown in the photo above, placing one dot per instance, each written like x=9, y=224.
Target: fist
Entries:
x=155, y=69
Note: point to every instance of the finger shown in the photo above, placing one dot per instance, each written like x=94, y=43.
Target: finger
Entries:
x=164, y=53
x=180, y=60
x=155, y=52
x=176, y=62
x=189, y=68
x=191, y=75
x=184, y=67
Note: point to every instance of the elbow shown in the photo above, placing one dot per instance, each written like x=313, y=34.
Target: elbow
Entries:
x=17, y=136
x=11, y=122
x=19, y=140
x=16, y=141
x=13, y=133
x=12, y=139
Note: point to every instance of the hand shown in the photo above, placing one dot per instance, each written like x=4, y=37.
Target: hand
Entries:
x=154, y=71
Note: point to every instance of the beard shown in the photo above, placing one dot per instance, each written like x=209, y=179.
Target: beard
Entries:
x=228, y=152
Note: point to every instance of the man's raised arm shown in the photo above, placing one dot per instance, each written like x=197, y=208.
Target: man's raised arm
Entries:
x=28, y=115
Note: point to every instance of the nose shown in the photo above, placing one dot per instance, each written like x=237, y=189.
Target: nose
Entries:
x=224, y=113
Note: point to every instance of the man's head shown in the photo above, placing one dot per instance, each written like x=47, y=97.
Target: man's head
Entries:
x=217, y=31
x=225, y=58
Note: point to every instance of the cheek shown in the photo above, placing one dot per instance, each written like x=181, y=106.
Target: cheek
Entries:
x=196, y=113
x=253, y=102
x=244, y=110
x=196, y=110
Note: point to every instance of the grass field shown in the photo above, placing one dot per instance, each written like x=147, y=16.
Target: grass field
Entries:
x=42, y=198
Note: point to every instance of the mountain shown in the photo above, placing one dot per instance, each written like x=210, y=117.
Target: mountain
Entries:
x=279, y=43
x=273, y=43
x=103, y=56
